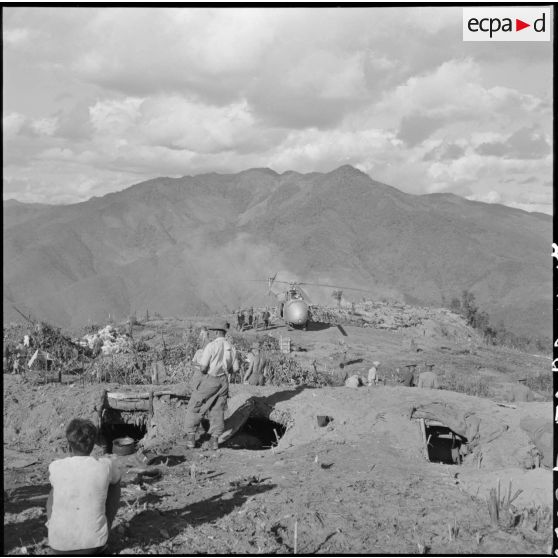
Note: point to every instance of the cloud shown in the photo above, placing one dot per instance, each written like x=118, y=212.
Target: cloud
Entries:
x=488, y=197
x=525, y=143
x=15, y=37
x=12, y=124
x=445, y=151
x=415, y=128
x=178, y=123
x=74, y=122
x=100, y=98
x=44, y=126
x=113, y=117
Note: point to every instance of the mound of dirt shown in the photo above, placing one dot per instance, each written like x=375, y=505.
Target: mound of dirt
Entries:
x=35, y=417
x=358, y=484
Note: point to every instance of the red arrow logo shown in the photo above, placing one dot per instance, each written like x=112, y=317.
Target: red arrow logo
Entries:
x=519, y=25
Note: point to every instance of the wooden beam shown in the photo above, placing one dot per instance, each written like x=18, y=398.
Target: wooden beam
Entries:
x=125, y=405
x=130, y=396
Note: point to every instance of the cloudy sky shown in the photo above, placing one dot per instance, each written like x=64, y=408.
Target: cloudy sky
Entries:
x=98, y=99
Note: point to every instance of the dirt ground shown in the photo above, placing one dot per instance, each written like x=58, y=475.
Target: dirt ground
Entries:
x=361, y=484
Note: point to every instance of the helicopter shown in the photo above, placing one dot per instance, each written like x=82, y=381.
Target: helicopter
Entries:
x=294, y=302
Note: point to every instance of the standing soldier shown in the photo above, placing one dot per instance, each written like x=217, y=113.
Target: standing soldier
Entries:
x=239, y=320
x=19, y=358
x=266, y=318
x=428, y=379
x=211, y=387
x=257, y=364
x=97, y=345
x=409, y=376
x=373, y=373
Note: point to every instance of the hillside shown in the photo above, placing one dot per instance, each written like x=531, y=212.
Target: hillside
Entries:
x=189, y=246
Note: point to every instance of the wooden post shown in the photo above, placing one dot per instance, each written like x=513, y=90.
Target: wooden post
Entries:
x=424, y=440
x=150, y=407
x=100, y=407
x=82, y=370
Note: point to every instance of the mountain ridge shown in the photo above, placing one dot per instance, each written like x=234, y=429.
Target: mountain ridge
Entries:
x=160, y=243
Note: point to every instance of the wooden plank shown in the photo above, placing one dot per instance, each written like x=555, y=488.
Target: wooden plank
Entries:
x=132, y=396
x=424, y=439
x=102, y=403
x=423, y=430
x=125, y=405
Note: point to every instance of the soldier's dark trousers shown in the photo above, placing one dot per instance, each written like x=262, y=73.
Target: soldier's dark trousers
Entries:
x=211, y=387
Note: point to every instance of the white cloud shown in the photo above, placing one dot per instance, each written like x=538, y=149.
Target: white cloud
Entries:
x=489, y=197
x=16, y=36
x=177, y=123
x=12, y=124
x=45, y=126
x=131, y=93
x=113, y=117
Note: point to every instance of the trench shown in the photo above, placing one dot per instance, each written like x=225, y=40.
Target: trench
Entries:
x=443, y=445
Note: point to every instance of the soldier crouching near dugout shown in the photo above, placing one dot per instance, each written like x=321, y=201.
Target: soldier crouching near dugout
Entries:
x=85, y=495
x=211, y=387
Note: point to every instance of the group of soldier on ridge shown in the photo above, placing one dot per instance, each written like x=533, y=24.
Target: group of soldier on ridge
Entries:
x=252, y=319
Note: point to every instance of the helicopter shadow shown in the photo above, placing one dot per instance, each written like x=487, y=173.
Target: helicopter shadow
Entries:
x=318, y=326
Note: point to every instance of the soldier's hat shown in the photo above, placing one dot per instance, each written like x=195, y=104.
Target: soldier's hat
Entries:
x=220, y=326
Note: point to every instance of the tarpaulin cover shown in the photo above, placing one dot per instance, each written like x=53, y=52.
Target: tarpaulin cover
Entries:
x=464, y=422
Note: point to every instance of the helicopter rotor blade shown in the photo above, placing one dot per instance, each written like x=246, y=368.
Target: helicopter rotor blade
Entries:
x=337, y=287
x=264, y=281
x=305, y=295
x=270, y=282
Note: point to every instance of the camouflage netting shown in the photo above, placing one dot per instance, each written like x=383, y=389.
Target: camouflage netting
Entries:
x=134, y=366
x=66, y=355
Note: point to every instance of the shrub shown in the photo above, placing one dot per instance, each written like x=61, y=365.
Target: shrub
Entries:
x=466, y=383
x=542, y=382
x=284, y=370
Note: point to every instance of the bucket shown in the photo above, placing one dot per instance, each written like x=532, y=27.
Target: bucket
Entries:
x=123, y=446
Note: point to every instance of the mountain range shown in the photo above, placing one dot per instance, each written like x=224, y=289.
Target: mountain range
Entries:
x=196, y=245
